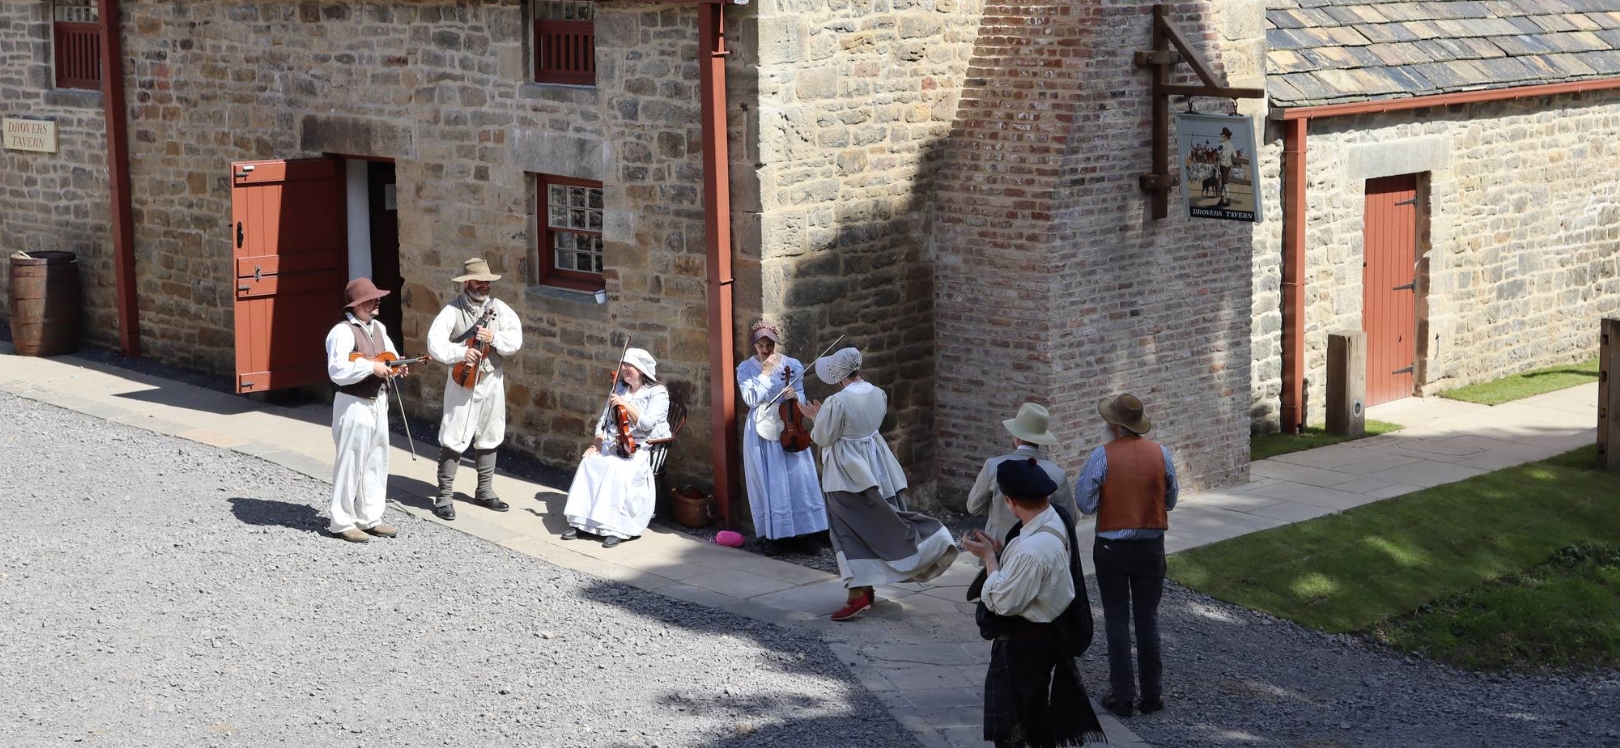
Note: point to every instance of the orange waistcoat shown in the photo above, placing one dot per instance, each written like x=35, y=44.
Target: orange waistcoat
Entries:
x=1132, y=496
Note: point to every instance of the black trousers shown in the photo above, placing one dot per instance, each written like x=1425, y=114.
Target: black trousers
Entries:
x=1130, y=581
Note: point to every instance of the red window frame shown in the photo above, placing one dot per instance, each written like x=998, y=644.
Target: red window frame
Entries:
x=76, y=45
x=564, y=42
x=550, y=274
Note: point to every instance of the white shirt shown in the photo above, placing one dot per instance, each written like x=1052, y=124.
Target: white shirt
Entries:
x=854, y=456
x=1034, y=579
x=985, y=497
x=340, y=343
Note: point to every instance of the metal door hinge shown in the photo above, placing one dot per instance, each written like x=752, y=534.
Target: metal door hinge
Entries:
x=1407, y=370
x=1412, y=201
x=1408, y=287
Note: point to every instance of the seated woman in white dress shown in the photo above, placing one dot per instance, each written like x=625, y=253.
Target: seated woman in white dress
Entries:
x=612, y=495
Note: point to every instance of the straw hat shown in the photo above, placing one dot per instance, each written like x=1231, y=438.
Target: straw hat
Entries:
x=1125, y=411
x=1030, y=425
x=360, y=291
x=475, y=269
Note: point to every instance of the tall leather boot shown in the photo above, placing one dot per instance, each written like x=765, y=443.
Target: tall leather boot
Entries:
x=484, y=460
x=449, y=460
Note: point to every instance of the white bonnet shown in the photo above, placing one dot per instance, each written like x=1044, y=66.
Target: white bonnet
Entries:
x=833, y=368
x=643, y=361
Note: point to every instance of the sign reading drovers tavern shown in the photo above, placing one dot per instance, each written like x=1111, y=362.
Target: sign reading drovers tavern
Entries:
x=29, y=135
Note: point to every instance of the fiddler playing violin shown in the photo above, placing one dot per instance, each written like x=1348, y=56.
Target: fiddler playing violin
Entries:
x=474, y=335
x=613, y=490
x=361, y=360
x=784, y=491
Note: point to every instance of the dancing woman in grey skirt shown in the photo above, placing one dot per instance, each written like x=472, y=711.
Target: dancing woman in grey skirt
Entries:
x=876, y=539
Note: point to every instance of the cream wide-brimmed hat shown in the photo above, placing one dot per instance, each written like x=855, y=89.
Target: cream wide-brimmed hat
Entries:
x=475, y=269
x=833, y=368
x=643, y=361
x=1030, y=425
x=1126, y=412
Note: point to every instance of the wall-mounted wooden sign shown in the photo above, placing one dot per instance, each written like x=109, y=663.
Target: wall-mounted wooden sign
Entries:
x=29, y=135
x=1216, y=155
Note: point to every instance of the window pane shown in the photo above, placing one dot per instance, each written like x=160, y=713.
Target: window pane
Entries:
x=598, y=264
x=556, y=195
x=557, y=217
x=565, y=240
x=576, y=197
x=594, y=220
x=76, y=11
x=595, y=198
x=576, y=219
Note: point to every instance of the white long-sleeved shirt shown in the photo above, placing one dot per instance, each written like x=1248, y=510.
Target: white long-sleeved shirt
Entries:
x=340, y=343
x=985, y=497
x=1034, y=579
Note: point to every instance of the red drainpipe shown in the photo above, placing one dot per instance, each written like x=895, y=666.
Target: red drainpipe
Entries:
x=1293, y=277
x=123, y=227
x=1296, y=123
x=717, y=245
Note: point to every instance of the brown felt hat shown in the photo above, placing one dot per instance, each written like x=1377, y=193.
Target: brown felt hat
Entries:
x=360, y=291
x=1126, y=412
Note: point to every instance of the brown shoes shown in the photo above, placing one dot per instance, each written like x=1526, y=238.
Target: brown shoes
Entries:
x=383, y=531
x=354, y=535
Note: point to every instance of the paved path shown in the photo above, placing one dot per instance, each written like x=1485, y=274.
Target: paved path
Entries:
x=918, y=649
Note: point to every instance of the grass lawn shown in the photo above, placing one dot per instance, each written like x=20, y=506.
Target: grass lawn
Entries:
x=1271, y=445
x=1528, y=384
x=1564, y=613
x=1348, y=572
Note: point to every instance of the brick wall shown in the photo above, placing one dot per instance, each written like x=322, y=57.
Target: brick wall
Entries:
x=1524, y=227
x=441, y=88
x=55, y=201
x=1054, y=283
x=843, y=109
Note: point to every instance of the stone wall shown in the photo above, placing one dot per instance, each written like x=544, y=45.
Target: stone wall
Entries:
x=55, y=201
x=441, y=88
x=1523, y=215
x=1055, y=284
x=844, y=106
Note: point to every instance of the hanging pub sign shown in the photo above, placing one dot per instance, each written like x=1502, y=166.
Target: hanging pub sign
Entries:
x=1217, y=166
x=28, y=135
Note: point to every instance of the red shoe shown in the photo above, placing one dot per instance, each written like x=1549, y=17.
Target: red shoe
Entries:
x=855, y=606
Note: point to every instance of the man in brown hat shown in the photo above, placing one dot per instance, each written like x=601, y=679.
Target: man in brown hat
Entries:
x=360, y=415
x=1130, y=484
x=473, y=417
x=1029, y=434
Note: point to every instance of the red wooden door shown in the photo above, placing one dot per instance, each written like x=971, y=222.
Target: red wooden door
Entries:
x=1389, y=286
x=289, y=242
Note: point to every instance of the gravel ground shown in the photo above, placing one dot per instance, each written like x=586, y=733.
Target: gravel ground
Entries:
x=163, y=592
x=1235, y=677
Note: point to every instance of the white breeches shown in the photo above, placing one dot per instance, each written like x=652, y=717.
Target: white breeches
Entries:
x=360, y=473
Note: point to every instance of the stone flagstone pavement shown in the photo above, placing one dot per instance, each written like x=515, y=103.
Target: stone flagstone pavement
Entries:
x=918, y=649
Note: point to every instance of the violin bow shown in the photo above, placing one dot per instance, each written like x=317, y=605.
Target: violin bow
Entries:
x=403, y=419
x=801, y=374
x=616, y=369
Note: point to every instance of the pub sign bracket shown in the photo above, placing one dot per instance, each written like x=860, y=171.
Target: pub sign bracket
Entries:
x=1170, y=48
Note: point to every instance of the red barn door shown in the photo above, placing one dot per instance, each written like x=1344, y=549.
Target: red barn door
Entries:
x=289, y=240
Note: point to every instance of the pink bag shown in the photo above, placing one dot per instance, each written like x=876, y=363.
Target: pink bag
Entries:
x=729, y=538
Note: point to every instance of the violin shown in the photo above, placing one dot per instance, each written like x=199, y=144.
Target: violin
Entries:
x=795, y=437
x=394, y=362
x=626, y=444
x=466, y=374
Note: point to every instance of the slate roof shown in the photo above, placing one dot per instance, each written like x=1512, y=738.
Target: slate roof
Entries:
x=1340, y=51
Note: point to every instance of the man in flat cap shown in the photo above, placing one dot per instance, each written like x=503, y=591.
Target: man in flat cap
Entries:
x=473, y=416
x=1033, y=605
x=360, y=414
x=1029, y=433
x=1130, y=484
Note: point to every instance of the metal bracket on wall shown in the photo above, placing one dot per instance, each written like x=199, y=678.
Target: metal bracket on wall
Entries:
x=1163, y=59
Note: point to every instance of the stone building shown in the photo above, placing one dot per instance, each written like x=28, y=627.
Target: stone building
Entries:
x=951, y=184
x=1457, y=195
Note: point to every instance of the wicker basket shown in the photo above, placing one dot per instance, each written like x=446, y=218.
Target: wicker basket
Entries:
x=692, y=507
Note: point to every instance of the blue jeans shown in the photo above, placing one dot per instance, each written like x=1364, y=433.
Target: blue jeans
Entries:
x=1130, y=580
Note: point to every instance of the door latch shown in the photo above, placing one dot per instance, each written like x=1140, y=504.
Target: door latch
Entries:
x=258, y=274
x=247, y=169
x=238, y=234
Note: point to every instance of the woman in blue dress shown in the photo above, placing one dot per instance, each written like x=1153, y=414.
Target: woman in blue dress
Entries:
x=784, y=492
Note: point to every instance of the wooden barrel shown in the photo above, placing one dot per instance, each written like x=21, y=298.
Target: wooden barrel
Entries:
x=44, y=303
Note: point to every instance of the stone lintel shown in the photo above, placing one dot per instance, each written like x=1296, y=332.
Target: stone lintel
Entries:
x=354, y=136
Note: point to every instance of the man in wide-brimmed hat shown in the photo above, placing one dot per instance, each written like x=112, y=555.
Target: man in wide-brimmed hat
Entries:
x=1130, y=484
x=473, y=323
x=360, y=415
x=1029, y=434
